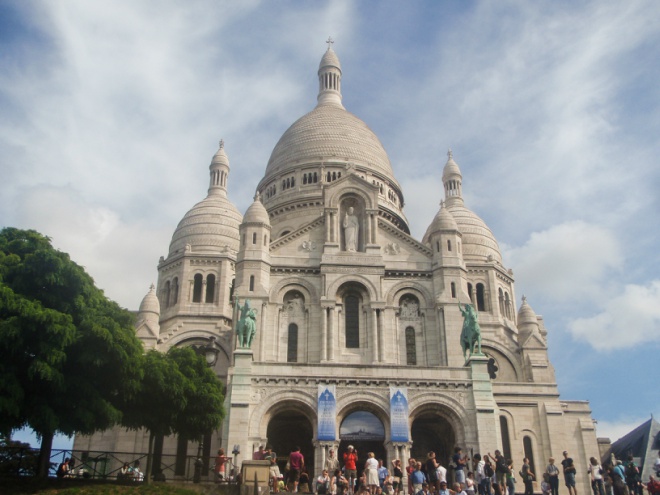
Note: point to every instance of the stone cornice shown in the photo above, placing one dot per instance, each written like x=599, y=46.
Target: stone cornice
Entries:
x=297, y=233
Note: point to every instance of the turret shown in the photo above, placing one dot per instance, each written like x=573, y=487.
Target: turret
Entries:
x=253, y=261
x=219, y=171
x=147, y=327
x=452, y=180
x=330, y=78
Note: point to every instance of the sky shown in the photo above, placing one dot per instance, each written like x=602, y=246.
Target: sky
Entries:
x=110, y=112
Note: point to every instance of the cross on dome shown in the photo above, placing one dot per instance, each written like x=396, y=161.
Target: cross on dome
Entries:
x=450, y=155
x=222, y=143
x=330, y=42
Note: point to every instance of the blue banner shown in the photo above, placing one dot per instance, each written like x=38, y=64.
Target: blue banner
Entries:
x=398, y=414
x=327, y=413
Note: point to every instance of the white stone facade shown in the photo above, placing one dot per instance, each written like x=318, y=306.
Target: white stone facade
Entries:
x=386, y=314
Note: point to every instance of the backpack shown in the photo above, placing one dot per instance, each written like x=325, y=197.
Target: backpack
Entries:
x=488, y=470
x=631, y=470
x=500, y=466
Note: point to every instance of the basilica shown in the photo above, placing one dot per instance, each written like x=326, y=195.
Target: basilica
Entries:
x=356, y=324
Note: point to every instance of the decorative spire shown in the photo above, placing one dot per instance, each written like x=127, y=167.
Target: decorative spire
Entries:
x=219, y=171
x=257, y=196
x=450, y=155
x=452, y=179
x=330, y=78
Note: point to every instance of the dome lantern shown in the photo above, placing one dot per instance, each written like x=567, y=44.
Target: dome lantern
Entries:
x=330, y=78
x=452, y=181
x=219, y=171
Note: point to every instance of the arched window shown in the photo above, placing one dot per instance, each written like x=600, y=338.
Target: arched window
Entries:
x=265, y=239
x=506, y=443
x=507, y=305
x=175, y=291
x=166, y=297
x=251, y=283
x=529, y=452
x=327, y=177
x=210, y=288
x=304, y=179
x=481, y=299
x=411, y=349
x=453, y=290
x=254, y=237
x=292, y=346
x=437, y=246
x=470, y=293
x=352, y=312
x=197, y=287
x=449, y=245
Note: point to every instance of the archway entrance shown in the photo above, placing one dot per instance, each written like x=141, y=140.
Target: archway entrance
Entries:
x=366, y=433
x=431, y=431
x=287, y=430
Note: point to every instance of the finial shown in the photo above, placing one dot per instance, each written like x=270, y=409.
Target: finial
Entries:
x=330, y=42
x=524, y=299
x=222, y=143
x=152, y=286
x=442, y=203
x=257, y=197
x=449, y=154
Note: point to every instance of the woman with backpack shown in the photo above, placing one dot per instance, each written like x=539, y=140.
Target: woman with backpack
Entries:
x=596, y=473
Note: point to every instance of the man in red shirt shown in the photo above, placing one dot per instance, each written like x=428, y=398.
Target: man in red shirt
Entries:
x=350, y=467
x=296, y=463
x=653, y=486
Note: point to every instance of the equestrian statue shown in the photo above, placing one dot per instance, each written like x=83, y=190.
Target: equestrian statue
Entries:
x=471, y=333
x=246, y=328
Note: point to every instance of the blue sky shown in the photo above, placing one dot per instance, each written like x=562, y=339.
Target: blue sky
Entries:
x=110, y=112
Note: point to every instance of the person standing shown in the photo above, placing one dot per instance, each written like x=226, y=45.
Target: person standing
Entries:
x=331, y=462
x=569, y=473
x=417, y=478
x=510, y=478
x=460, y=462
x=596, y=472
x=350, y=467
x=259, y=455
x=397, y=476
x=274, y=468
x=633, y=478
x=553, y=476
x=410, y=468
x=296, y=463
x=480, y=477
x=528, y=477
x=383, y=473
x=371, y=473
x=220, y=463
x=432, y=471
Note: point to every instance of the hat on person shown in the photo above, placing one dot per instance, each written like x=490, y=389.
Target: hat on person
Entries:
x=350, y=447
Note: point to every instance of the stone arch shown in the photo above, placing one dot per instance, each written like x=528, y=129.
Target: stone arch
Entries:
x=295, y=283
x=371, y=289
x=278, y=402
x=396, y=291
x=500, y=351
x=445, y=406
x=338, y=195
x=361, y=400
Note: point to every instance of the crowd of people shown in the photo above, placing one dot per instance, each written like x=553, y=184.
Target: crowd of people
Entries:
x=487, y=474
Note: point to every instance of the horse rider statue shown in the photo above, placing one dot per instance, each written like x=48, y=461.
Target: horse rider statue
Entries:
x=471, y=333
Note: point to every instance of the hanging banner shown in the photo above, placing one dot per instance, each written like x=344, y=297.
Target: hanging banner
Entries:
x=399, y=414
x=327, y=413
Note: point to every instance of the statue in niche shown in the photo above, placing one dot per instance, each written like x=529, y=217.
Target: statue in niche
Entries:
x=295, y=306
x=409, y=308
x=246, y=328
x=351, y=230
x=471, y=333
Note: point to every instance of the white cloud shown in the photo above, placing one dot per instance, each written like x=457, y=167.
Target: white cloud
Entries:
x=567, y=261
x=628, y=319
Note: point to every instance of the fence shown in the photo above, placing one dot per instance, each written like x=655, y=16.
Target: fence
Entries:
x=21, y=462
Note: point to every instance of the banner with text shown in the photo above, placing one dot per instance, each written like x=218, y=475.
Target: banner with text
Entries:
x=327, y=412
x=399, y=414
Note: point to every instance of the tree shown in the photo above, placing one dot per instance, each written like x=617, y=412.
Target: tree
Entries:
x=69, y=357
x=180, y=394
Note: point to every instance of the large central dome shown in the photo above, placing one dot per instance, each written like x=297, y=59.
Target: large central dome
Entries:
x=329, y=132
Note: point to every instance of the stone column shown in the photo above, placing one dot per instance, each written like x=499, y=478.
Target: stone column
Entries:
x=331, y=333
x=484, y=403
x=237, y=404
x=381, y=340
x=324, y=334
x=374, y=335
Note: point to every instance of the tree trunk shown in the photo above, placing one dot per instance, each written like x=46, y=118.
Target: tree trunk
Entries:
x=150, y=448
x=43, y=464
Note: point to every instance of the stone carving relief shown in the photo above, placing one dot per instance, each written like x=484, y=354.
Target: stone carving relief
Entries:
x=308, y=246
x=294, y=305
x=392, y=248
x=409, y=308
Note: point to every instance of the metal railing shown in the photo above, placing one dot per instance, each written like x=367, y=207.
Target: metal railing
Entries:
x=106, y=465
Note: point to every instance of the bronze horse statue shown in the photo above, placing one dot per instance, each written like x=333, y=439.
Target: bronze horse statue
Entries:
x=471, y=333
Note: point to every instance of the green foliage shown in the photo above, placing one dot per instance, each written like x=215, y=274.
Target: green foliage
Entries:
x=69, y=357
x=16, y=458
x=179, y=394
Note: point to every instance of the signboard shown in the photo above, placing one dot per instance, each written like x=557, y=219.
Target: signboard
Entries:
x=327, y=412
x=399, y=414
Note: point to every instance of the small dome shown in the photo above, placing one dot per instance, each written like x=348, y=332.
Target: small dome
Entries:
x=150, y=306
x=526, y=314
x=208, y=227
x=478, y=241
x=256, y=213
x=330, y=59
x=443, y=221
